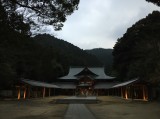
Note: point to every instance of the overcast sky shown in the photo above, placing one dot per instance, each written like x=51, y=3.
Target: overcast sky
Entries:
x=99, y=23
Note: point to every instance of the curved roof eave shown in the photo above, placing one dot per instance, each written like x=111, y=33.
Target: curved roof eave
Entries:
x=39, y=83
x=108, y=78
x=99, y=71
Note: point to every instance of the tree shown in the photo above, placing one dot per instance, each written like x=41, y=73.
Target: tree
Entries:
x=52, y=12
x=7, y=76
x=12, y=22
x=157, y=2
x=137, y=53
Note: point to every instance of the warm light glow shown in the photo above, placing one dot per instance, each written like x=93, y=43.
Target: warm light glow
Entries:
x=24, y=95
x=126, y=95
x=144, y=94
x=19, y=94
x=145, y=97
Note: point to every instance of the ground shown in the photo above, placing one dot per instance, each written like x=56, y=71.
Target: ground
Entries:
x=107, y=108
x=117, y=108
x=32, y=109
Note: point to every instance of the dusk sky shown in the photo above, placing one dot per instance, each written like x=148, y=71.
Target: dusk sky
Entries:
x=99, y=23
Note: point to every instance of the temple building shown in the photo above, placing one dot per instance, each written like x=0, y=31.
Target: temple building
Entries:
x=92, y=81
x=86, y=81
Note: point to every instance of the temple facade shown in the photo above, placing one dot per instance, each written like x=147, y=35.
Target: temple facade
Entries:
x=86, y=81
x=92, y=81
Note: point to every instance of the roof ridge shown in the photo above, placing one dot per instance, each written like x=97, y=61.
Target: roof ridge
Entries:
x=85, y=67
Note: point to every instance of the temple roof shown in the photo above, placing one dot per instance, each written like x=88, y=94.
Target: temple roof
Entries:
x=104, y=85
x=66, y=85
x=95, y=72
x=39, y=83
x=126, y=83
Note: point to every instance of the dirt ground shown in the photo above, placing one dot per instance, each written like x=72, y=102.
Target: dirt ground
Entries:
x=117, y=108
x=107, y=108
x=32, y=109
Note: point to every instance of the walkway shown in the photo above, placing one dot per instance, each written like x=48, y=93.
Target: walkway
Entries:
x=78, y=111
x=78, y=100
x=82, y=98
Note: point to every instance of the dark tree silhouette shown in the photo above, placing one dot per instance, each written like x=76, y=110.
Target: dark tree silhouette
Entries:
x=51, y=12
x=137, y=53
x=157, y=2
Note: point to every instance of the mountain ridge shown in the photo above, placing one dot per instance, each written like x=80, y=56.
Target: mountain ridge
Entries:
x=105, y=56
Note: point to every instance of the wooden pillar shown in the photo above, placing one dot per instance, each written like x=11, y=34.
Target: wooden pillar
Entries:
x=117, y=92
x=44, y=91
x=108, y=92
x=132, y=91
x=122, y=92
x=19, y=93
x=146, y=92
x=144, y=96
x=73, y=92
x=126, y=93
x=113, y=92
x=36, y=92
x=49, y=92
x=29, y=93
x=24, y=94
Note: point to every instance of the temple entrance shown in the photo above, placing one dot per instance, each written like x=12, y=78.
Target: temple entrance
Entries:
x=84, y=91
x=85, y=86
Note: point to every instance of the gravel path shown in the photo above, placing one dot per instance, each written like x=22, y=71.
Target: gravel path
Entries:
x=78, y=111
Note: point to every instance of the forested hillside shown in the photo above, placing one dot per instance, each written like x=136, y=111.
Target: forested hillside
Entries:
x=68, y=54
x=105, y=56
x=43, y=57
x=137, y=53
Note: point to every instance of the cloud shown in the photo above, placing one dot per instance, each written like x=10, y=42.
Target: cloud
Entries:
x=99, y=23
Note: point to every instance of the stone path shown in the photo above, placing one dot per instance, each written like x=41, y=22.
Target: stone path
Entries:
x=81, y=98
x=78, y=100
x=78, y=111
